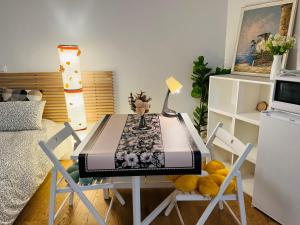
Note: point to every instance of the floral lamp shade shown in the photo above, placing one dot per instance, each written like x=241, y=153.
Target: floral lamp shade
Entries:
x=69, y=56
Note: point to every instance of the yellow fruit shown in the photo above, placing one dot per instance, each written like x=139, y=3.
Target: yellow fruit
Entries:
x=224, y=172
x=173, y=177
x=231, y=188
x=207, y=186
x=186, y=183
x=218, y=179
x=203, y=164
x=213, y=166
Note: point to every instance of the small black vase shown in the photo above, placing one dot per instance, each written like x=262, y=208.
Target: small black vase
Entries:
x=142, y=123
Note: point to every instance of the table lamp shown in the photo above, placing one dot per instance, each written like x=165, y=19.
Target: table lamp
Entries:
x=70, y=69
x=173, y=87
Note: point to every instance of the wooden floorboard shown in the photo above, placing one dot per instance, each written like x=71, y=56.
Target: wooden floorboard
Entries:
x=36, y=211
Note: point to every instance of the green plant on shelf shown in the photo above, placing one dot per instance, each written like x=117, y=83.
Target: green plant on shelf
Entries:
x=200, y=89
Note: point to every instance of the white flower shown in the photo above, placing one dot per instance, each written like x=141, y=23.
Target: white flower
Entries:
x=131, y=159
x=275, y=43
x=270, y=37
x=161, y=159
x=120, y=155
x=278, y=37
x=146, y=157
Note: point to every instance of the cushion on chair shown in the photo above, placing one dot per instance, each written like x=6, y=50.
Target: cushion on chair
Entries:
x=86, y=181
x=186, y=183
x=73, y=168
x=213, y=166
x=207, y=186
x=75, y=175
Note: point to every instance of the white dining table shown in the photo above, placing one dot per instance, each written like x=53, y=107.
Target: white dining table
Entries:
x=136, y=179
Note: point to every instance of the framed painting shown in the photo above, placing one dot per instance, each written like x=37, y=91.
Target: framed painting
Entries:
x=257, y=23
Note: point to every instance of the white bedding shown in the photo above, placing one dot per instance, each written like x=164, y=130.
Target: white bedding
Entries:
x=23, y=167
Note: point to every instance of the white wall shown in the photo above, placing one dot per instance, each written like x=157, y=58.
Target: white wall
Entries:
x=142, y=41
x=234, y=10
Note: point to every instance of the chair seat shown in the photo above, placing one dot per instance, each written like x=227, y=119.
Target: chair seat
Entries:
x=196, y=196
x=73, y=170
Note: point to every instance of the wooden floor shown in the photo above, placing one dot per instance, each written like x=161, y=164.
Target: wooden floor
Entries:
x=36, y=211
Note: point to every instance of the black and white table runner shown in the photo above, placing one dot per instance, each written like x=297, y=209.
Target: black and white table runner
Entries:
x=119, y=148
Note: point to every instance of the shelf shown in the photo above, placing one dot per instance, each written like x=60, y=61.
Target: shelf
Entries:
x=250, y=79
x=214, y=118
x=250, y=117
x=224, y=110
x=247, y=133
x=248, y=184
x=223, y=95
x=250, y=94
x=232, y=101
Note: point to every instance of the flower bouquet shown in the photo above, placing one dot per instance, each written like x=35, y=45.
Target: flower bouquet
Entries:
x=139, y=104
x=277, y=45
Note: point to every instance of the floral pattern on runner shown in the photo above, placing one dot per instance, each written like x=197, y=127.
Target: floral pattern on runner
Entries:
x=140, y=148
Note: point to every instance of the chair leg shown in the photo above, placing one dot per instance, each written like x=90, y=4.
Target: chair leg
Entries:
x=71, y=199
x=208, y=210
x=241, y=200
x=109, y=209
x=221, y=205
x=118, y=196
x=179, y=214
x=170, y=207
x=52, y=197
x=106, y=194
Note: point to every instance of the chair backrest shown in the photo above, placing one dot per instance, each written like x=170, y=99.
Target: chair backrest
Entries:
x=228, y=139
x=237, y=147
x=62, y=135
x=49, y=146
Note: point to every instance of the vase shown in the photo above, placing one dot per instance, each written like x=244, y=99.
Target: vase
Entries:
x=276, y=66
x=142, y=123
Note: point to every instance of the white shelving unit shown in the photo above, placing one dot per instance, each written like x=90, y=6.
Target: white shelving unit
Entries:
x=232, y=101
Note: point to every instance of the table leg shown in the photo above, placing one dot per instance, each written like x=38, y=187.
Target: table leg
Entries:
x=136, y=200
x=106, y=194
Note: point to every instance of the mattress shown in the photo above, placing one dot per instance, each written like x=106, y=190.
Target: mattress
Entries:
x=24, y=166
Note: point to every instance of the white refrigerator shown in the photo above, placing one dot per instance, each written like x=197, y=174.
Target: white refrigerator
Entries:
x=277, y=172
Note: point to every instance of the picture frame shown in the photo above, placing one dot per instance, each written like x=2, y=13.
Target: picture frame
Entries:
x=257, y=22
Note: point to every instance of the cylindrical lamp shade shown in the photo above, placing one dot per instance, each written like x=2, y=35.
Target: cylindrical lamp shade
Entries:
x=70, y=69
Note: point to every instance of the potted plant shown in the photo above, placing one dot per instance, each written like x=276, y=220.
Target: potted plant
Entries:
x=277, y=45
x=200, y=90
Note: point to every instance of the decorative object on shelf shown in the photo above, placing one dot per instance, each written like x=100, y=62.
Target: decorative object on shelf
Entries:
x=174, y=86
x=277, y=46
x=257, y=23
x=200, y=77
x=70, y=69
x=139, y=104
x=262, y=106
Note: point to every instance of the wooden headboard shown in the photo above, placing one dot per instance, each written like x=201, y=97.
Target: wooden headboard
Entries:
x=97, y=90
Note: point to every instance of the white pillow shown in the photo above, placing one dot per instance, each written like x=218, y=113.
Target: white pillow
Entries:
x=21, y=115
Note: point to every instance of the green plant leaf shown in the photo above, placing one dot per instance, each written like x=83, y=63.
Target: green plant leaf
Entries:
x=196, y=92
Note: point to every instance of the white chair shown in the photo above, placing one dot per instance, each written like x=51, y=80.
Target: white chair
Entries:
x=242, y=151
x=72, y=187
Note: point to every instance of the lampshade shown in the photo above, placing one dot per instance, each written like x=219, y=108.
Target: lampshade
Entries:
x=173, y=85
x=70, y=69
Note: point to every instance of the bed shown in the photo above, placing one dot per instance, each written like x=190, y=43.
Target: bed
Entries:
x=24, y=166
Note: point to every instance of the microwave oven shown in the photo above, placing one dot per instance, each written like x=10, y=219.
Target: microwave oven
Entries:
x=286, y=95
